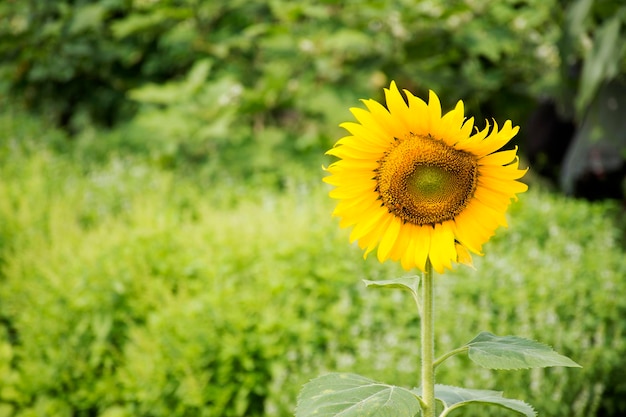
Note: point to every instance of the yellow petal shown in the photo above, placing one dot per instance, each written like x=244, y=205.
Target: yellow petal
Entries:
x=495, y=140
x=373, y=124
x=350, y=164
x=378, y=218
x=357, y=204
x=408, y=257
x=363, y=144
x=423, y=238
x=402, y=243
x=354, y=216
x=388, y=239
x=467, y=128
x=442, y=251
x=349, y=177
x=507, y=172
x=471, y=233
x=419, y=123
x=398, y=108
x=463, y=256
x=449, y=129
x=374, y=138
x=434, y=108
x=489, y=216
x=503, y=186
x=385, y=120
x=497, y=201
x=351, y=152
x=473, y=140
x=354, y=190
x=499, y=158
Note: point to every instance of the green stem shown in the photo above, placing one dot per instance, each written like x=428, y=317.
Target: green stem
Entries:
x=428, y=343
x=462, y=349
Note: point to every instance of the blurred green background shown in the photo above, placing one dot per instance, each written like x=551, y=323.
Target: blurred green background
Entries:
x=166, y=245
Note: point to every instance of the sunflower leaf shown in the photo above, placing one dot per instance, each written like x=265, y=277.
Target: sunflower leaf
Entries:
x=512, y=352
x=410, y=284
x=456, y=397
x=351, y=395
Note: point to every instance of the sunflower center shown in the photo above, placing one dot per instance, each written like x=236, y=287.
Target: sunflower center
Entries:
x=423, y=181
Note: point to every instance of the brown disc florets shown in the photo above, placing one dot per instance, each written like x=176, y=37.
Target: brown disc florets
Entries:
x=422, y=180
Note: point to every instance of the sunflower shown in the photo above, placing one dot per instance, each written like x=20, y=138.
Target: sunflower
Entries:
x=421, y=186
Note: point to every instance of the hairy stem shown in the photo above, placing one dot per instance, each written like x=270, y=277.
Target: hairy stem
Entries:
x=428, y=343
x=462, y=349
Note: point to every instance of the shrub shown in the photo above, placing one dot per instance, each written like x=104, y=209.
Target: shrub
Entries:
x=126, y=290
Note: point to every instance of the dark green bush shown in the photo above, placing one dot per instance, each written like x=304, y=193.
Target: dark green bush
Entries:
x=265, y=81
x=79, y=59
x=242, y=86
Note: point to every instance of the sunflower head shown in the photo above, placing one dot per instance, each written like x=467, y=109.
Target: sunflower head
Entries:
x=420, y=186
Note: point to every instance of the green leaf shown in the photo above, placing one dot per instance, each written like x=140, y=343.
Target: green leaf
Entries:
x=351, y=395
x=198, y=74
x=512, y=352
x=576, y=15
x=410, y=284
x=456, y=397
x=601, y=63
x=87, y=17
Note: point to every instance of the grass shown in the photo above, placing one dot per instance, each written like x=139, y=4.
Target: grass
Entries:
x=127, y=289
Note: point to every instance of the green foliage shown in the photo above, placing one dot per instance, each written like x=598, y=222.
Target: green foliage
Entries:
x=410, y=284
x=75, y=61
x=131, y=290
x=242, y=86
x=264, y=81
x=590, y=44
x=455, y=397
x=512, y=352
x=352, y=395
